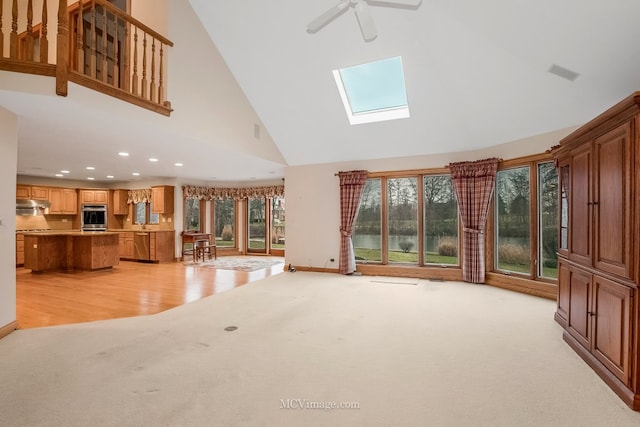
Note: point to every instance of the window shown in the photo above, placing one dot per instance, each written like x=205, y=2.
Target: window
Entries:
x=367, y=229
x=192, y=214
x=513, y=222
x=374, y=91
x=140, y=213
x=144, y=214
x=440, y=220
x=224, y=220
x=547, y=220
x=277, y=223
x=257, y=225
x=402, y=219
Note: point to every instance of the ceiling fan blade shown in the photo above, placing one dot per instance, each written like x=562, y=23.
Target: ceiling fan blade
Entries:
x=367, y=26
x=328, y=16
x=408, y=3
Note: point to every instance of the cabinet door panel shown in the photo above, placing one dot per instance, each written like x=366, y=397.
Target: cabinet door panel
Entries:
x=612, y=201
x=611, y=340
x=563, y=291
x=580, y=221
x=579, y=305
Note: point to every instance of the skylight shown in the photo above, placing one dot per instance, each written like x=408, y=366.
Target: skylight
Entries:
x=373, y=92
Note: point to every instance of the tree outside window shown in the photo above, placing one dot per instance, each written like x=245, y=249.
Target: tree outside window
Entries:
x=367, y=228
x=224, y=222
x=440, y=220
x=402, y=219
x=513, y=221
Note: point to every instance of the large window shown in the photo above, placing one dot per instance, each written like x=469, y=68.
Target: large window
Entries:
x=513, y=221
x=367, y=230
x=440, y=220
x=192, y=215
x=257, y=224
x=402, y=219
x=413, y=218
x=277, y=223
x=224, y=222
x=547, y=220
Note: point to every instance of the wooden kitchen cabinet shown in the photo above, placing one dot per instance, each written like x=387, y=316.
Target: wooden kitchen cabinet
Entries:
x=599, y=274
x=162, y=246
x=32, y=192
x=64, y=201
x=162, y=199
x=19, y=249
x=120, y=206
x=94, y=196
x=126, y=245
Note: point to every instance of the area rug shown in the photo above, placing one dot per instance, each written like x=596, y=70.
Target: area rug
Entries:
x=241, y=263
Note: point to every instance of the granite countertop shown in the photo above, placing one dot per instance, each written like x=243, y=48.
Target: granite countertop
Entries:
x=67, y=233
x=146, y=230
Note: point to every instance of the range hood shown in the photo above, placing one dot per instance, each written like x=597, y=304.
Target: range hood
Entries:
x=31, y=207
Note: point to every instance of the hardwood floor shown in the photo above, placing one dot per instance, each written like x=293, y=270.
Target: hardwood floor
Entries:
x=129, y=289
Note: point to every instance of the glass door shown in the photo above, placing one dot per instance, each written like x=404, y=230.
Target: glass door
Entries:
x=256, y=225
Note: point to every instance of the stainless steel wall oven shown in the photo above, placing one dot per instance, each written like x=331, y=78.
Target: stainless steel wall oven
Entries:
x=94, y=217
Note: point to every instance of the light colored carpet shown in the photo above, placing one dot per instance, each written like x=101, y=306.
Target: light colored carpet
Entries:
x=241, y=263
x=439, y=354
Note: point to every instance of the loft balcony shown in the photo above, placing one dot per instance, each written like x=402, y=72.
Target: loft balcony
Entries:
x=95, y=44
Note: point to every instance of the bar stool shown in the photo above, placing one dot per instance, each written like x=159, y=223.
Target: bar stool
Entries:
x=202, y=248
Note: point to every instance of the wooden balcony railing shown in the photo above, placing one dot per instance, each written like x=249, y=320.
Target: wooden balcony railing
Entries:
x=97, y=46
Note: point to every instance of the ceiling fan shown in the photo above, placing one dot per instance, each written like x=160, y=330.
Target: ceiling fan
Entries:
x=367, y=26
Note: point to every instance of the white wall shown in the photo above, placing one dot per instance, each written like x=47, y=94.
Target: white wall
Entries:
x=312, y=194
x=8, y=156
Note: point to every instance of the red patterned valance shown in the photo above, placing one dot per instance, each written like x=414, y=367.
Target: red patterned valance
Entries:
x=239, y=193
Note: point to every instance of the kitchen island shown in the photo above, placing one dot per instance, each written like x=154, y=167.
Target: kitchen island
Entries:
x=69, y=250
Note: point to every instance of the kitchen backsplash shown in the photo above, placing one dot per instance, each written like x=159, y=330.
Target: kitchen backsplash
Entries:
x=43, y=222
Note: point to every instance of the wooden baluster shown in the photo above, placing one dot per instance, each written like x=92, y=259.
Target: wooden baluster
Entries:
x=116, y=54
x=152, y=87
x=1, y=33
x=28, y=55
x=104, y=66
x=13, y=37
x=144, y=65
x=93, y=68
x=134, y=79
x=62, y=52
x=125, y=79
x=160, y=88
x=44, y=42
x=80, y=39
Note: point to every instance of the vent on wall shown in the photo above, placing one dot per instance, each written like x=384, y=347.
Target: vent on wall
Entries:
x=565, y=73
x=256, y=131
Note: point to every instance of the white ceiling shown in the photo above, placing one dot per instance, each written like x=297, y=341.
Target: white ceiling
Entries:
x=476, y=75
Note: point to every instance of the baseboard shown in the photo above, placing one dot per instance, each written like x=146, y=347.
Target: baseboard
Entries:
x=313, y=269
x=7, y=329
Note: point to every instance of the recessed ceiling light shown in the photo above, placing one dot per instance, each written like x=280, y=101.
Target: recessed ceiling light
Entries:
x=178, y=164
x=123, y=154
x=59, y=175
x=64, y=171
x=110, y=176
x=153, y=159
x=90, y=168
x=90, y=178
x=136, y=174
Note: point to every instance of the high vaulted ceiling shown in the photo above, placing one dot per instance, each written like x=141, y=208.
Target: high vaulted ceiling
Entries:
x=476, y=71
x=477, y=75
